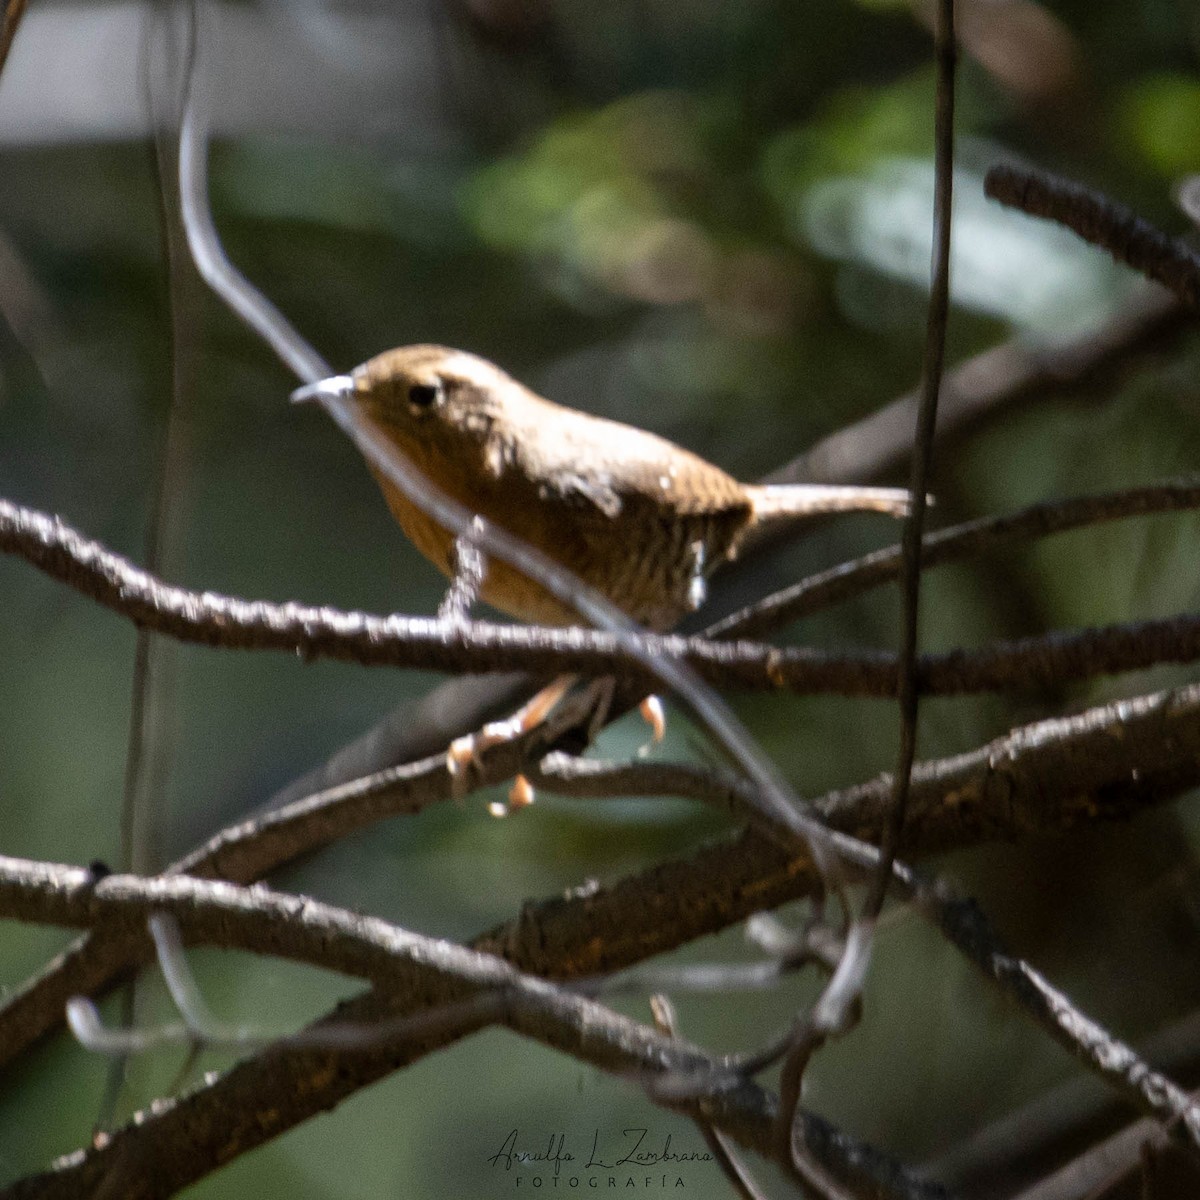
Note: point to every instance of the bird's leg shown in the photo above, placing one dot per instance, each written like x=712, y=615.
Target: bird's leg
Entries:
x=468, y=570
x=469, y=567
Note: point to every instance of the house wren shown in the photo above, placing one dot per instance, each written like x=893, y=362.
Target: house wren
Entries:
x=641, y=520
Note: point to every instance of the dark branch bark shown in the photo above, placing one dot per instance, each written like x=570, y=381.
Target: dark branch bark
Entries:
x=908, y=681
x=1052, y=776
x=1049, y=776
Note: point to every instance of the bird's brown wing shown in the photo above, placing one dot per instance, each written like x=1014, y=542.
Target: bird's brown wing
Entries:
x=641, y=520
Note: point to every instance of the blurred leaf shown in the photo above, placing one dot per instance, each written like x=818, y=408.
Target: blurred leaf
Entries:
x=855, y=128
x=1031, y=273
x=1161, y=116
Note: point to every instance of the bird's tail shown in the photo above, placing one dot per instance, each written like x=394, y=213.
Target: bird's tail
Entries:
x=783, y=501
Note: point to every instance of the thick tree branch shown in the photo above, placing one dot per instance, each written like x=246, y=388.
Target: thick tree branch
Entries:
x=1106, y=763
x=152, y=1159
x=420, y=642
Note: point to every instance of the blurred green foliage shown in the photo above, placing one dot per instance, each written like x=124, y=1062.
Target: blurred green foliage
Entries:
x=709, y=219
x=1162, y=119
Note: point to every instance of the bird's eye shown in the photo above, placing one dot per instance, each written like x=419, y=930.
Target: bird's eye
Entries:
x=424, y=395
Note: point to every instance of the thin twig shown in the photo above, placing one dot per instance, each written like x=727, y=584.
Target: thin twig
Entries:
x=1112, y=1060
x=1102, y=222
x=833, y=1011
x=908, y=684
x=1021, y=1147
x=458, y=706
x=993, y=382
x=148, y=748
x=726, y=1157
x=1099, y=1170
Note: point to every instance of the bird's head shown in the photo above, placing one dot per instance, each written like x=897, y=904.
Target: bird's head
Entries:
x=423, y=396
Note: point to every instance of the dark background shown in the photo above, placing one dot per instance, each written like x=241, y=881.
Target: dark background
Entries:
x=711, y=219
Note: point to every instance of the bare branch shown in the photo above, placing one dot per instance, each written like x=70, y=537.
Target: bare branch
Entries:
x=1103, y=764
x=1103, y=222
x=958, y=920
x=733, y=1168
x=14, y=10
x=908, y=681
x=249, y=850
x=421, y=642
x=1020, y=1148
x=995, y=381
x=1114, y=1061
x=670, y=896
x=1082, y=761
x=427, y=973
x=1054, y=775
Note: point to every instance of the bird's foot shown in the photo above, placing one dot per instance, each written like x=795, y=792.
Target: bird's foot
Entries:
x=464, y=752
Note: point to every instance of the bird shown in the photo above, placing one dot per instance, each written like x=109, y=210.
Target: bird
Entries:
x=639, y=519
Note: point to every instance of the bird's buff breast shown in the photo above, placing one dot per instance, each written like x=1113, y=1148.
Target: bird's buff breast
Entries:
x=633, y=581
x=503, y=587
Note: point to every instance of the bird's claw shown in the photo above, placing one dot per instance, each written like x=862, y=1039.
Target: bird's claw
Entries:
x=464, y=752
x=520, y=795
x=653, y=714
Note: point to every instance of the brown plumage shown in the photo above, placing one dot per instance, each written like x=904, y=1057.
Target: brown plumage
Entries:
x=643, y=521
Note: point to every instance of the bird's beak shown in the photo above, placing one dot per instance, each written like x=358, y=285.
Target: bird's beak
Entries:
x=336, y=386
